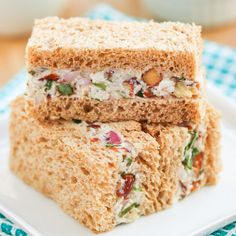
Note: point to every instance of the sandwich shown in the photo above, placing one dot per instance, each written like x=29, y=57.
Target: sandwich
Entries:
x=101, y=71
x=105, y=174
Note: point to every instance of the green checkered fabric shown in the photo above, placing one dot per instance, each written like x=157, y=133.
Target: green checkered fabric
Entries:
x=7, y=227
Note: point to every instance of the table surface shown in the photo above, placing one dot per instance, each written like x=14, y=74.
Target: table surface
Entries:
x=12, y=49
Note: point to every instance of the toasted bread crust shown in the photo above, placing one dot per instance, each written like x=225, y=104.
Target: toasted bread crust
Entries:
x=173, y=111
x=213, y=145
x=94, y=45
x=171, y=159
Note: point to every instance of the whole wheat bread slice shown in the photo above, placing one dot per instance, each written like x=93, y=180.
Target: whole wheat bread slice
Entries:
x=94, y=45
x=152, y=110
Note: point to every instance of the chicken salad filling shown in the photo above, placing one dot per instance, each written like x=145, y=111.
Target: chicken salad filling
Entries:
x=129, y=193
x=109, y=84
x=191, y=171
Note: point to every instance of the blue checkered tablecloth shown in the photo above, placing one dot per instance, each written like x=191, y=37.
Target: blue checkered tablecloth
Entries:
x=220, y=63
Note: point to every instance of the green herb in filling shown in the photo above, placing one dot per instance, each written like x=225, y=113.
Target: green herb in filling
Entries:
x=110, y=145
x=193, y=140
x=127, y=209
x=140, y=93
x=122, y=173
x=76, y=121
x=182, y=78
x=188, y=161
x=48, y=85
x=195, y=151
x=129, y=161
x=190, y=151
x=65, y=89
x=201, y=172
x=137, y=189
x=32, y=72
x=100, y=85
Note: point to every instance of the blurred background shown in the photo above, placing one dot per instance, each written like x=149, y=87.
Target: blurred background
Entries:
x=218, y=18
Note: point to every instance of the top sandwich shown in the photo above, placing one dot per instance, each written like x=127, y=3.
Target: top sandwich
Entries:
x=77, y=63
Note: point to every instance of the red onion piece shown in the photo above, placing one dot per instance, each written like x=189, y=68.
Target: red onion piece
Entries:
x=69, y=76
x=113, y=138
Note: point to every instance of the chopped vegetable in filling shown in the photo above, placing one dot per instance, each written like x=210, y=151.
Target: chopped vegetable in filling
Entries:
x=65, y=89
x=127, y=186
x=191, y=172
x=102, y=86
x=128, y=190
x=108, y=84
x=48, y=85
x=77, y=121
x=190, y=151
x=128, y=209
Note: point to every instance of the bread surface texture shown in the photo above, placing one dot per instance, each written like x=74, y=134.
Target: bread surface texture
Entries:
x=213, y=144
x=94, y=45
x=156, y=110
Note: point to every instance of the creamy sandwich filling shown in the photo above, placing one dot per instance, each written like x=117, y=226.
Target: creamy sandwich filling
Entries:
x=129, y=193
x=128, y=190
x=109, y=84
x=191, y=172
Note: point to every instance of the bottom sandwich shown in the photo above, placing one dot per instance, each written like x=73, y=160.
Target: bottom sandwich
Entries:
x=105, y=174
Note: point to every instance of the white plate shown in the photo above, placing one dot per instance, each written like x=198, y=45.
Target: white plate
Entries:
x=200, y=213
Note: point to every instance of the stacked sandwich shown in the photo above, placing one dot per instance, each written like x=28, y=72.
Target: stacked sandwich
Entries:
x=114, y=124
